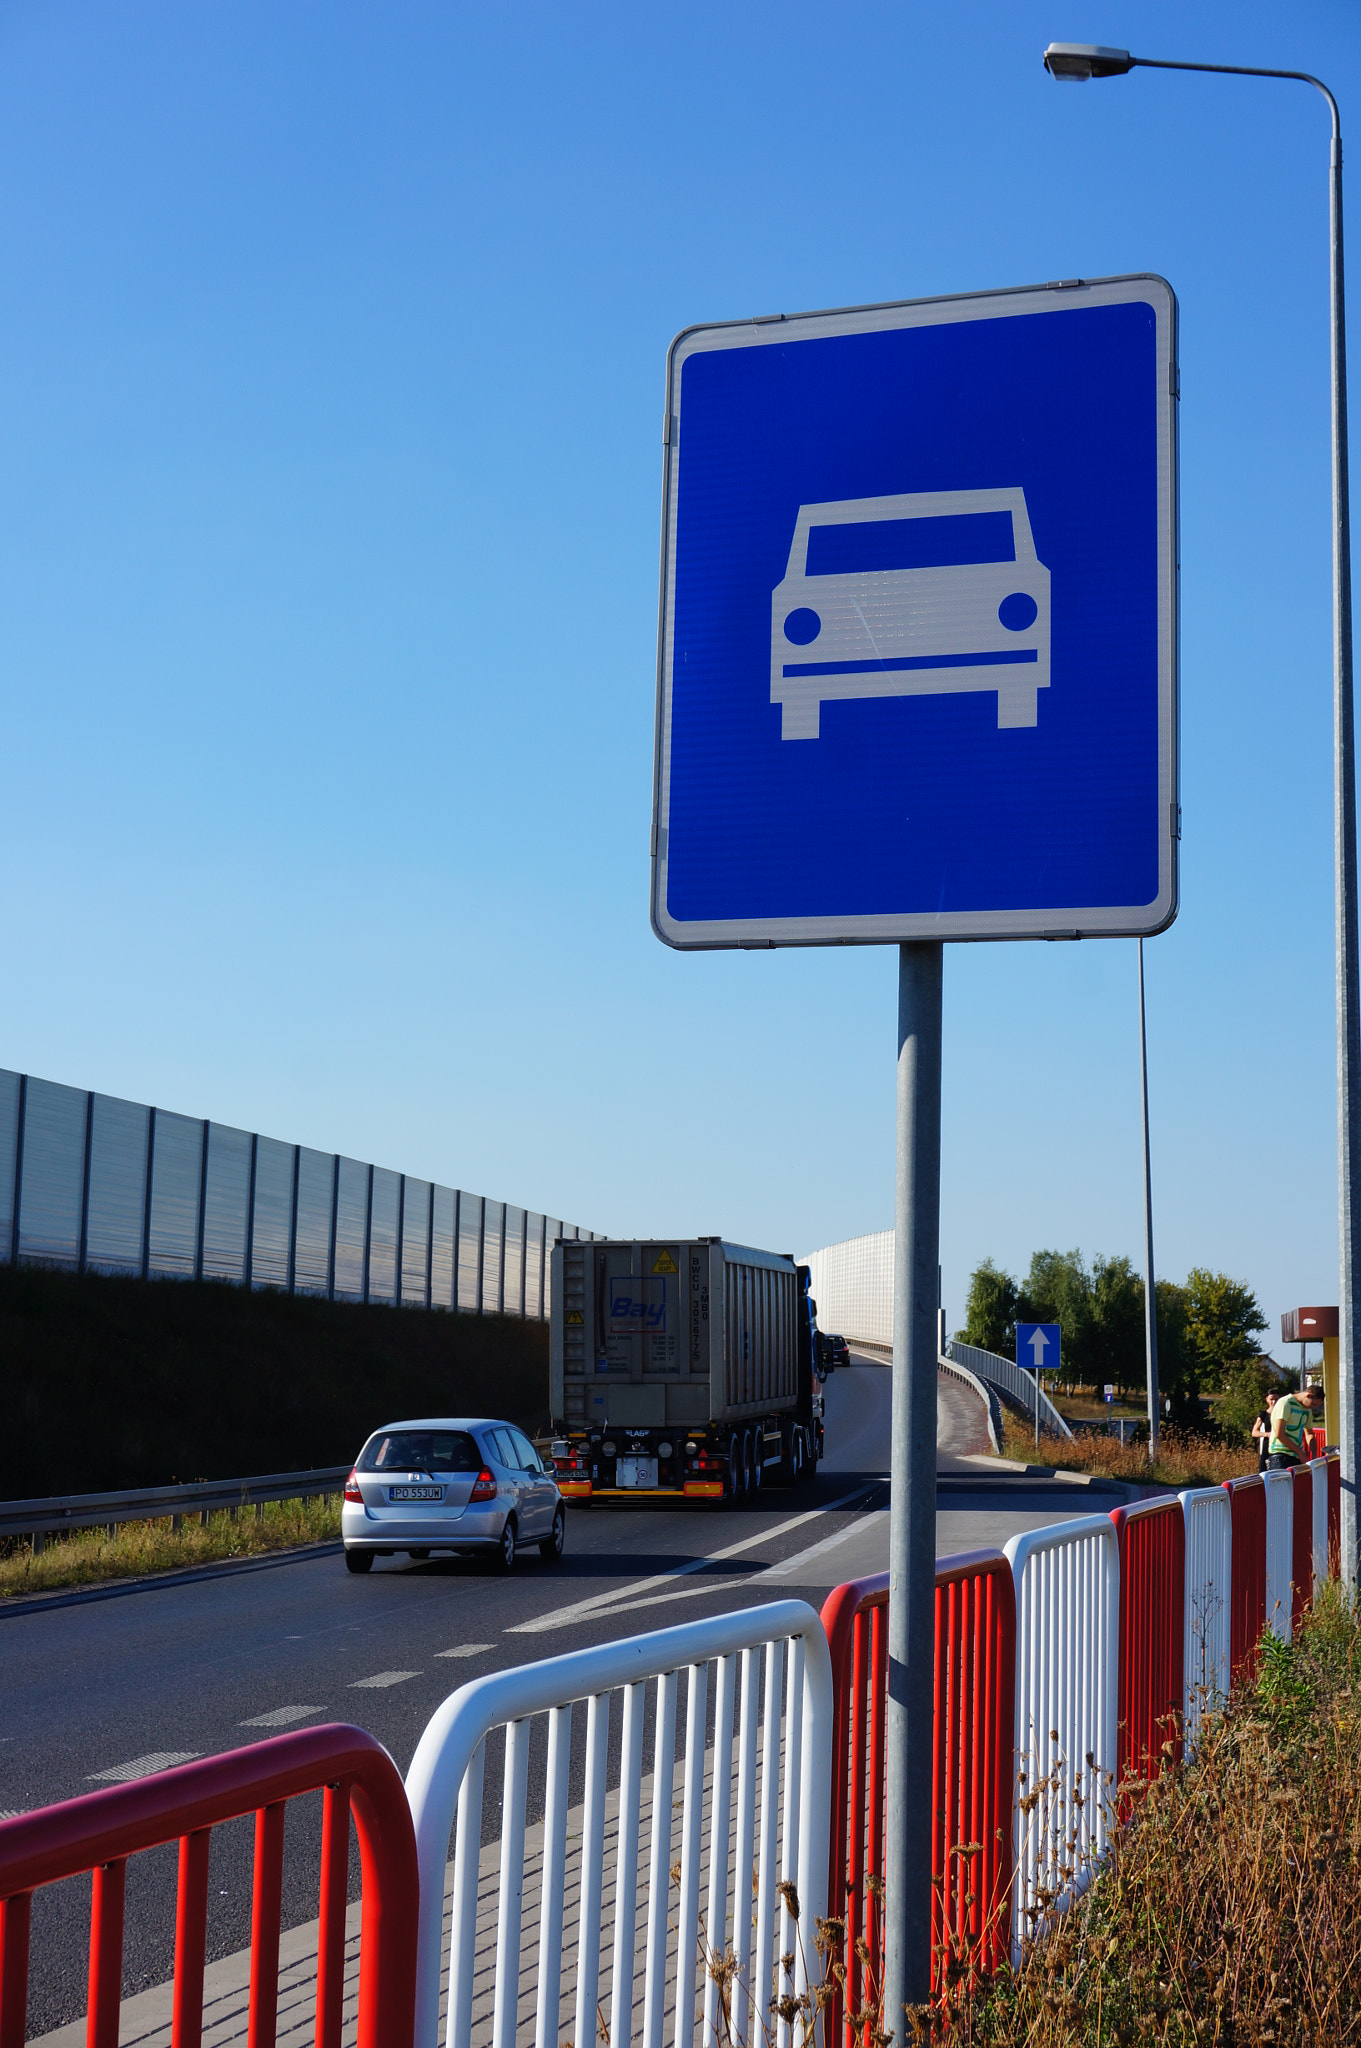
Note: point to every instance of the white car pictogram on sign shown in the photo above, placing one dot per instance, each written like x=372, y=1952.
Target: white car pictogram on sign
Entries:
x=923, y=594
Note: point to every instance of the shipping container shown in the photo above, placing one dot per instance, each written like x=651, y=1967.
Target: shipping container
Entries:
x=684, y=1366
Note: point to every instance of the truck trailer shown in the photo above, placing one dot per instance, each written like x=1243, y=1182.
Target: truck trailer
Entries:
x=685, y=1366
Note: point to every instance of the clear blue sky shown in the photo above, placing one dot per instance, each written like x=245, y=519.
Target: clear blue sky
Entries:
x=331, y=364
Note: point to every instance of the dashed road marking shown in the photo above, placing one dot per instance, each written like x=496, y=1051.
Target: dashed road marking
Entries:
x=464, y=1650
x=385, y=1678
x=10, y=1812
x=142, y=1766
x=279, y=1717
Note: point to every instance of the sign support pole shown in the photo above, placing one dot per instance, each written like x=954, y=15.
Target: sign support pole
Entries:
x=912, y=1499
x=1150, y=1284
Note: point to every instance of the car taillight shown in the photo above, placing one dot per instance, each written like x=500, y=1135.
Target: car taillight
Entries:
x=352, y=1489
x=484, y=1486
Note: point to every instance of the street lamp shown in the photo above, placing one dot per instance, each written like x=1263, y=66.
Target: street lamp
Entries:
x=1078, y=62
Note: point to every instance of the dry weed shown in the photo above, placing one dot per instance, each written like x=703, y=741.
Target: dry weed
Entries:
x=1229, y=1911
x=1184, y=1459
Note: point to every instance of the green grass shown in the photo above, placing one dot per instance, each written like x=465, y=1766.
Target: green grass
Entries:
x=85, y=1556
x=107, y=1383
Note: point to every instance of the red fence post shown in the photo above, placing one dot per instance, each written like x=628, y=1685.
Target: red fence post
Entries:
x=1247, y=1575
x=266, y=1907
x=106, y=1954
x=14, y=1914
x=1152, y=1539
x=335, y=1884
x=191, y=1940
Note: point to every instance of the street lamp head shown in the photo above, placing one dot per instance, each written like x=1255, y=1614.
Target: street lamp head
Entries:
x=1080, y=61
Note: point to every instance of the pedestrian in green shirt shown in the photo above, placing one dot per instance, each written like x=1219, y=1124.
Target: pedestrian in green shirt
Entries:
x=1290, y=1417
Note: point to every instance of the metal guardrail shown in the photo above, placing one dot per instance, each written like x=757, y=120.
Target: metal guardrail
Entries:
x=986, y=1394
x=42, y=1518
x=1012, y=1381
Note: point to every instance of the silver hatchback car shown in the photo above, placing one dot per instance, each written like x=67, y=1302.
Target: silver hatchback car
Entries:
x=442, y=1484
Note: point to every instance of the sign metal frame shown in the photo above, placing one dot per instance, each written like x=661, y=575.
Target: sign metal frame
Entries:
x=1044, y=921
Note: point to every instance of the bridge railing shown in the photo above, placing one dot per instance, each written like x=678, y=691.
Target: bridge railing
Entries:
x=1012, y=1381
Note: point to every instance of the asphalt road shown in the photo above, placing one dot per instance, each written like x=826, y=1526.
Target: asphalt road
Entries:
x=100, y=1688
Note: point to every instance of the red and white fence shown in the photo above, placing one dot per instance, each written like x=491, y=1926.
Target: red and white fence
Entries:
x=1067, y=1669
x=1093, y=1668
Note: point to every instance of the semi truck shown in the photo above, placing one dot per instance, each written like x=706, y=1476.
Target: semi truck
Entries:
x=687, y=1367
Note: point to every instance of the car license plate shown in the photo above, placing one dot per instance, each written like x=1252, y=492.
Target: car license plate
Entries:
x=396, y=1493
x=636, y=1472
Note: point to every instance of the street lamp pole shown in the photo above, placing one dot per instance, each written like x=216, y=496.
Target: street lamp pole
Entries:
x=1080, y=61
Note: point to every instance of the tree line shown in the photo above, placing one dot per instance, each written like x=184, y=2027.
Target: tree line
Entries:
x=1207, y=1330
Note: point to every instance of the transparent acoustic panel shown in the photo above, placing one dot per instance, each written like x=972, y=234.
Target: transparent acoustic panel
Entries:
x=273, y=1211
x=514, y=1275
x=176, y=1170
x=469, y=1239
x=9, y=1152
x=491, y=1258
x=533, y=1265
x=383, y=1235
x=352, y=1208
x=442, y=1249
x=226, y=1204
x=53, y=1175
x=312, y=1246
x=116, y=1207
x=415, y=1241
x=552, y=1232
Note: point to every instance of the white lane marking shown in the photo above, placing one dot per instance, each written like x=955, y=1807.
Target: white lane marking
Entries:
x=584, y=1609
x=661, y=1599
x=464, y=1650
x=789, y=1567
x=142, y=1766
x=385, y=1678
x=279, y=1717
x=10, y=1812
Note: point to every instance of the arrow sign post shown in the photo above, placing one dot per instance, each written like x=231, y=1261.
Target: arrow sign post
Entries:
x=1038, y=1346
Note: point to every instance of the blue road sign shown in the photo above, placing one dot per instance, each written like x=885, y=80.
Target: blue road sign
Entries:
x=1037, y=1346
x=917, y=669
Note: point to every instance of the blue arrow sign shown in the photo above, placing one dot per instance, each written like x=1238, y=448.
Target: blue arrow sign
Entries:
x=917, y=659
x=1038, y=1346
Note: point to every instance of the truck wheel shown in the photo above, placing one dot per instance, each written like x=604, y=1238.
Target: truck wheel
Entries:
x=737, y=1471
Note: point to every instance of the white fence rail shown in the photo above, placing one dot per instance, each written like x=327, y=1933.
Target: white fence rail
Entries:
x=1208, y=1515
x=1017, y=1384
x=794, y=1806
x=1280, y=1526
x=1067, y=1690
x=1320, y=1532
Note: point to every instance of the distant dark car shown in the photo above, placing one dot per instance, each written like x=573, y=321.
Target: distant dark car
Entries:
x=836, y=1351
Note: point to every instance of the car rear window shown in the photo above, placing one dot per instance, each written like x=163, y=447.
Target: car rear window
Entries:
x=420, y=1450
